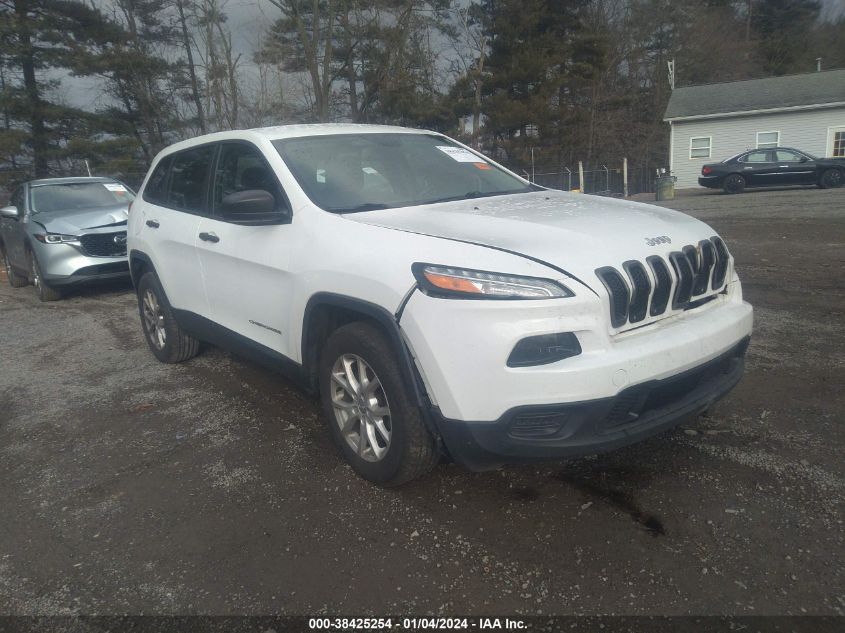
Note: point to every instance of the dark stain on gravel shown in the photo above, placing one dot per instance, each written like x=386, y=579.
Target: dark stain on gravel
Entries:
x=602, y=489
x=526, y=494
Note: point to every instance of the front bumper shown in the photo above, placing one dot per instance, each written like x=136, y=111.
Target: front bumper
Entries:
x=461, y=349
x=90, y=274
x=66, y=265
x=575, y=429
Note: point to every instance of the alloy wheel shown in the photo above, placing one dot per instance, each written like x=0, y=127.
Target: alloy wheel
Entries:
x=154, y=319
x=360, y=407
x=734, y=183
x=36, y=278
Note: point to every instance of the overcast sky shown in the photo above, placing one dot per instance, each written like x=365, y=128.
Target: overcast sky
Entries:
x=248, y=20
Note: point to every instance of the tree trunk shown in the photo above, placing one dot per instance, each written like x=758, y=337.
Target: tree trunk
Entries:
x=479, y=84
x=186, y=40
x=40, y=144
x=351, y=76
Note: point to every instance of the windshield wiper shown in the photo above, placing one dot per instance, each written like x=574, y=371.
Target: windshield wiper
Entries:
x=469, y=195
x=367, y=206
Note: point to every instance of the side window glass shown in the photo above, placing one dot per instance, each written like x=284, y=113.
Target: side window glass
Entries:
x=188, y=178
x=787, y=157
x=757, y=157
x=242, y=168
x=156, y=189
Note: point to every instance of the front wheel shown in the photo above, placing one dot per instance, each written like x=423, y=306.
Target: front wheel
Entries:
x=168, y=342
x=832, y=178
x=371, y=416
x=44, y=292
x=16, y=280
x=734, y=183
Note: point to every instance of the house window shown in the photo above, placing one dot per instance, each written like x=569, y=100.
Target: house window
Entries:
x=699, y=146
x=837, y=142
x=766, y=140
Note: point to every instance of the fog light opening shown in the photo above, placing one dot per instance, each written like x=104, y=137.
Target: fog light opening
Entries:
x=544, y=349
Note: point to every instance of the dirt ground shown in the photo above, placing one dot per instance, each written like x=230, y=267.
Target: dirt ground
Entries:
x=128, y=486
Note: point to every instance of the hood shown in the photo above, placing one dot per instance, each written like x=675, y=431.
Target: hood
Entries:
x=573, y=232
x=76, y=222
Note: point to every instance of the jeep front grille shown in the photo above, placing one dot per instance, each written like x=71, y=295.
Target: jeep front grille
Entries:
x=693, y=275
x=662, y=285
x=104, y=244
x=619, y=295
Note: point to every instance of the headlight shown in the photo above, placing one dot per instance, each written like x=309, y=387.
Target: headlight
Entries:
x=461, y=283
x=56, y=238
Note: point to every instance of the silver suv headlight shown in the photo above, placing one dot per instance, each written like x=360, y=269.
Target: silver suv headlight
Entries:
x=56, y=238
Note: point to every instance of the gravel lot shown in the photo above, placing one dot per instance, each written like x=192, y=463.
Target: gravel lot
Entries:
x=127, y=486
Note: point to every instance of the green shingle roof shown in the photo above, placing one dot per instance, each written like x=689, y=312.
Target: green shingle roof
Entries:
x=757, y=94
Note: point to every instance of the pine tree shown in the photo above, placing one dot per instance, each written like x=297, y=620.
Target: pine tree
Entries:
x=36, y=38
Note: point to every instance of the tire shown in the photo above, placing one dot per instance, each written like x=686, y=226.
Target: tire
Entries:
x=44, y=292
x=167, y=341
x=832, y=178
x=733, y=183
x=16, y=280
x=408, y=450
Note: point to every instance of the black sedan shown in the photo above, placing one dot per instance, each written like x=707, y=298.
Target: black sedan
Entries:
x=774, y=167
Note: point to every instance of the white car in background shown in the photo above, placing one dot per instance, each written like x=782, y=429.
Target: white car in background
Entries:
x=438, y=303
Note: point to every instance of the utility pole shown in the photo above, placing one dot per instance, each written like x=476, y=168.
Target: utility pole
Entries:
x=625, y=176
x=532, y=163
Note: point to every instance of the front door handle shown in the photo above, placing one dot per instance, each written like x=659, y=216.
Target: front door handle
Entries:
x=209, y=237
x=153, y=224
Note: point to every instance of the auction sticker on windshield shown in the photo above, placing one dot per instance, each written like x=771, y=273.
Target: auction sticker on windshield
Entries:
x=114, y=187
x=460, y=154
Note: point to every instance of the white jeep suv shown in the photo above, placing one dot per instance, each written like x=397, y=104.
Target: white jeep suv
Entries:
x=438, y=303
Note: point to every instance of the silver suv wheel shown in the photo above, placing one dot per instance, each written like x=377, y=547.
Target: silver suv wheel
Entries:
x=360, y=406
x=36, y=278
x=154, y=319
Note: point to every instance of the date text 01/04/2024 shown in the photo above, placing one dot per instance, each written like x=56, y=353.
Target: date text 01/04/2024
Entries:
x=419, y=623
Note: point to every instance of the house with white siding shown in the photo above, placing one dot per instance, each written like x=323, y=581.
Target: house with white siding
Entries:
x=710, y=123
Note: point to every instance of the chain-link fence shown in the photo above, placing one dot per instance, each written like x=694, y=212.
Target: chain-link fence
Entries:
x=603, y=180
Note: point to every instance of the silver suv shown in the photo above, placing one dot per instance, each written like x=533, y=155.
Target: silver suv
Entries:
x=59, y=232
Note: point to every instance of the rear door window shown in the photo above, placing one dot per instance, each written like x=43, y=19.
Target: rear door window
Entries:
x=156, y=189
x=189, y=174
x=758, y=157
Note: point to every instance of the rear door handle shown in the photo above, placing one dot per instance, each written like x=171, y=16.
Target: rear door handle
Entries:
x=153, y=224
x=209, y=237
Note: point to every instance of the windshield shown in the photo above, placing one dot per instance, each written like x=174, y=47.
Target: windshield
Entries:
x=78, y=196
x=344, y=173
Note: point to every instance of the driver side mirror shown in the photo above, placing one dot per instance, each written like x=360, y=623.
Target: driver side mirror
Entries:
x=10, y=212
x=254, y=207
x=804, y=159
